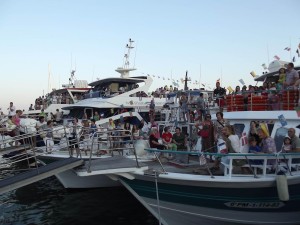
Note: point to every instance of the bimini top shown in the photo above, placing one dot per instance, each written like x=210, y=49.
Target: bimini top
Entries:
x=119, y=80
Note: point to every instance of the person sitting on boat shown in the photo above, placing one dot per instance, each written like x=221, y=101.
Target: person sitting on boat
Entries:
x=291, y=76
x=254, y=148
x=268, y=143
x=179, y=139
x=58, y=117
x=253, y=131
x=295, y=141
x=167, y=139
x=287, y=145
x=153, y=141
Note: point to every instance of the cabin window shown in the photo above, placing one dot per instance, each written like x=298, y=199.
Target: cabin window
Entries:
x=238, y=129
x=280, y=134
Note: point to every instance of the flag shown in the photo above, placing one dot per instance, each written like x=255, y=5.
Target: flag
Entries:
x=158, y=76
x=282, y=120
x=203, y=85
x=294, y=59
x=153, y=75
x=288, y=49
x=242, y=81
x=229, y=88
x=276, y=57
x=253, y=74
x=264, y=66
x=298, y=52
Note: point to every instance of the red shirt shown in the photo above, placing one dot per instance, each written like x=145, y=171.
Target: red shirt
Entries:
x=167, y=137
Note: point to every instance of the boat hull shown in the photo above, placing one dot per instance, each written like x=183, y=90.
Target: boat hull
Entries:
x=69, y=178
x=187, y=202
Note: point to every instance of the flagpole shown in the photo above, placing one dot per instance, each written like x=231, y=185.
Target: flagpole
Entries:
x=200, y=78
x=290, y=49
x=268, y=54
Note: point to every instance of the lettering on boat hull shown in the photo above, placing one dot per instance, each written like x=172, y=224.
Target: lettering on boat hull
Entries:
x=255, y=205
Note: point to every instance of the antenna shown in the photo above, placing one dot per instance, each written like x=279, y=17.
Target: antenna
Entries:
x=135, y=54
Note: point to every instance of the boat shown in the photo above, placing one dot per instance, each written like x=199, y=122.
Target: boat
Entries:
x=69, y=94
x=112, y=95
x=174, y=194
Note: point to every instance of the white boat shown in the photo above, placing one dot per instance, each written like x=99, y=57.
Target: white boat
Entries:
x=125, y=93
x=178, y=196
x=69, y=94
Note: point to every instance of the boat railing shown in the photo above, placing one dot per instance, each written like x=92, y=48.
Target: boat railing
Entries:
x=269, y=164
x=286, y=99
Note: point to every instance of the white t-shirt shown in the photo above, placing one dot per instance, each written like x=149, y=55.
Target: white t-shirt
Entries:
x=12, y=111
x=235, y=142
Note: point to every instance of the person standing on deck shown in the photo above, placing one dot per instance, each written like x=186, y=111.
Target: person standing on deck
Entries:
x=11, y=109
x=219, y=94
x=58, y=116
x=291, y=76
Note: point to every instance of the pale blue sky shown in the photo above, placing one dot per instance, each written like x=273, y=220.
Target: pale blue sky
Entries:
x=224, y=37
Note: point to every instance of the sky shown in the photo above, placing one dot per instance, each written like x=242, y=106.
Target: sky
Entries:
x=214, y=39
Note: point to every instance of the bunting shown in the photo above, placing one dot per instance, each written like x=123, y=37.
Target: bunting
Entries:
x=218, y=80
x=229, y=88
x=297, y=51
x=242, y=81
x=294, y=59
x=203, y=85
x=287, y=49
x=276, y=57
x=253, y=74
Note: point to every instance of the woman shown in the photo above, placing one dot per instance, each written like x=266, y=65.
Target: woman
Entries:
x=135, y=132
x=219, y=125
x=253, y=131
x=206, y=131
x=237, y=90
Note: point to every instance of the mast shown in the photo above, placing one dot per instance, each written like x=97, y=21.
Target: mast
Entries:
x=185, y=81
x=124, y=71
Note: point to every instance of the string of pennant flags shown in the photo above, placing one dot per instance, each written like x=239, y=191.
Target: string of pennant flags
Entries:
x=286, y=49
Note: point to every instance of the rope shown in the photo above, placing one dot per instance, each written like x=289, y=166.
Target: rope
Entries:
x=157, y=198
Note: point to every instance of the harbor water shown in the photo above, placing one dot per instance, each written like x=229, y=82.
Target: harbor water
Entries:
x=47, y=203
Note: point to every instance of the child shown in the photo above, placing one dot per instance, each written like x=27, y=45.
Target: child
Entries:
x=281, y=78
x=254, y=148
x=287, y=146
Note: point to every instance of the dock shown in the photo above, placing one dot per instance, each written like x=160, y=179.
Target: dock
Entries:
x=39, y=173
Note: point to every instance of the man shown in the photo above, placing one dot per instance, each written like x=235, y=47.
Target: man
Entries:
x=11, y=109
x=294, y=140
x=58, y=116
x=219, y=94
x=43, y=114
x=201, y=106
x=291, y=76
